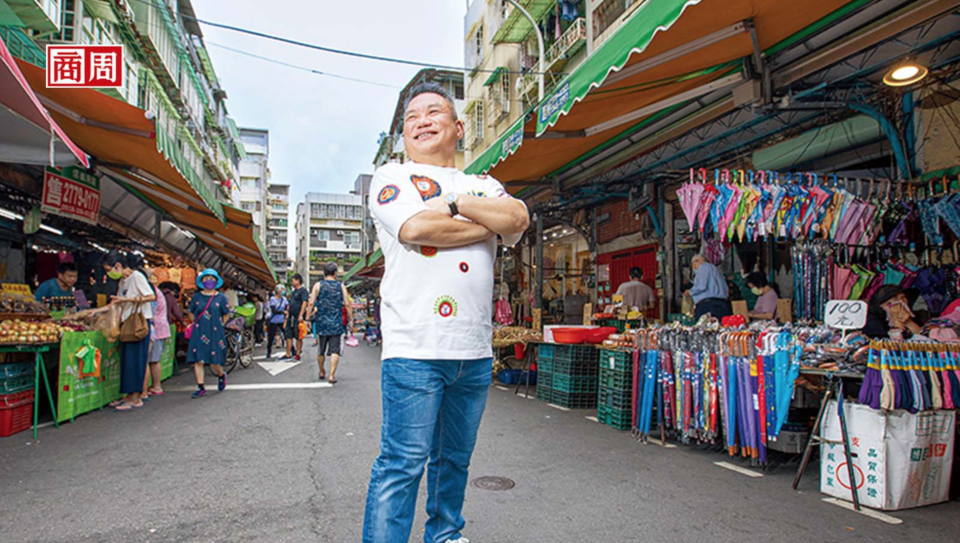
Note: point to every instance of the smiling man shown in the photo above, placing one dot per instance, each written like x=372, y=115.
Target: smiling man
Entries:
x=438, y=228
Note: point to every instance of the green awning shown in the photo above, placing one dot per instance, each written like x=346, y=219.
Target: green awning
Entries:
x=632, y=37
x=516, y=27
x=8, y=17
x=364, y=263
x=505, y=146
x=495, y=76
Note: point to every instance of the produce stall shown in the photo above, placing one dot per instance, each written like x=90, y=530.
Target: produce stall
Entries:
x=76, y=357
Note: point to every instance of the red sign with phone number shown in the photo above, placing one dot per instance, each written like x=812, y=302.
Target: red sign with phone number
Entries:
x=71, y=198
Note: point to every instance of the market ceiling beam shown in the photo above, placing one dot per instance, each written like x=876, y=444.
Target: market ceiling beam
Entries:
x=720, y=84
x=676, y=53
x=915, y=14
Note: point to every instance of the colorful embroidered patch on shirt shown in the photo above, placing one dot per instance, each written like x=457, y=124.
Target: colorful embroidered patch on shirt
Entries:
x=388, y=194
x=464, y=267
x=477, y=193
x=445, y=306
x=427, y=187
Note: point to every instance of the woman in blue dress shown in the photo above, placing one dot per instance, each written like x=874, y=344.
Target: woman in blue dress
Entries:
x=208, y=341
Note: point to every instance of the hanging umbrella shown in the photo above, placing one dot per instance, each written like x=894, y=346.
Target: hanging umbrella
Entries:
x=690, y=195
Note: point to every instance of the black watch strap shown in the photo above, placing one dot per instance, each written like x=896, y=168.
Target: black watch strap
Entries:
x=453, y=209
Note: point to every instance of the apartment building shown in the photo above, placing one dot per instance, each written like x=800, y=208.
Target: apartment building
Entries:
x=329, y=229
x=278, y=229
x=167, y=72
x=501, y=50
x=251, y=194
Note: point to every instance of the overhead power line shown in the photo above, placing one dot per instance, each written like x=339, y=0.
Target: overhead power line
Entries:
x=335, y=51
x=303, y=68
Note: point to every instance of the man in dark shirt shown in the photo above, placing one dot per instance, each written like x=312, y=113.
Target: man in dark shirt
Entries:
x=298, y=297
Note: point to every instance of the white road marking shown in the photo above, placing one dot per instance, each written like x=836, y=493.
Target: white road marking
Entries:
x=276, y=368
x=261, y=386
x=662, y=444
x=594, y=419
x=558, y=407
x=738, y=469
x=502, y=388
x=882, y=517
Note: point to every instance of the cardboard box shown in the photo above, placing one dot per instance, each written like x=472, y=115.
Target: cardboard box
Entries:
x=739, y=307
x=900, y=460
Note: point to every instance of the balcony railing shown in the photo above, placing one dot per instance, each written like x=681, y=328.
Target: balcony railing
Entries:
x=567, y=45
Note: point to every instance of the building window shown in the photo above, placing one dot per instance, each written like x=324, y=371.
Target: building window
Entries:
x=474, y=124
x=68, y=21
x=499, y=98
x=248, y=206
x=478, y=42
x=458, y=92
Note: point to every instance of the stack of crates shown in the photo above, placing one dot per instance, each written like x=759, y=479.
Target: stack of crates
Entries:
x=567, y=375
x=615, y=393
x=16, y=397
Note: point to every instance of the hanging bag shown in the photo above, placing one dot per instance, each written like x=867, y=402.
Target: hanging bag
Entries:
x=134, y=328
x=188, y=331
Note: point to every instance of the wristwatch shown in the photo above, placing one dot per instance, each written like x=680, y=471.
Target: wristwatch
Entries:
x=451, y=200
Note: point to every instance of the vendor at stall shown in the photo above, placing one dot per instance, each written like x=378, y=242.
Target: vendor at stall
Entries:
x=766, y=306
x=637, y=294
x=710, y=293
x=889, y=311
x=60, y=286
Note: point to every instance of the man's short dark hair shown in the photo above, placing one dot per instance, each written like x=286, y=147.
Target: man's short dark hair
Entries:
x=636, y=273
x=66, y=267
x=430, y=88
x=298, y=277
x=330, y=269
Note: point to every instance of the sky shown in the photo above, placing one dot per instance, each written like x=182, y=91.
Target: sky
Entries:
x=323, y=131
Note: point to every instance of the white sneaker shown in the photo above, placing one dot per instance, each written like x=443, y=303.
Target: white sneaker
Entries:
x=461, y=540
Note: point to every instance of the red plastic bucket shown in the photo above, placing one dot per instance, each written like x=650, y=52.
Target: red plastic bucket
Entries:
x=519, y=351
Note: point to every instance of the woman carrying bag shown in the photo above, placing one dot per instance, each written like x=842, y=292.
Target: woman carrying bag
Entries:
x=208, y=341
x=135, y=297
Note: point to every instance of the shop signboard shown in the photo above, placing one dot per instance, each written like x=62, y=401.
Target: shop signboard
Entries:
x=72, y=193
x=167, y=358
x=846, y=314
x=15, y=288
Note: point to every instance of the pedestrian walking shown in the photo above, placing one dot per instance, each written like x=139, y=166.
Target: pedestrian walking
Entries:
x=258, y=321
x=276, y=310
x=208, y=340
x=134, y=297
x=295, y=312
x=159, y=335
x=326, y=308
x=437, y=227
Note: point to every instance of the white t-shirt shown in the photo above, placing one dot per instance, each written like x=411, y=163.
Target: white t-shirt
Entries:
x=435, y=302
x=132, y=287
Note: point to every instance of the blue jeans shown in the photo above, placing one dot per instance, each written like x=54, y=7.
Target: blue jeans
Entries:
x=431, y=411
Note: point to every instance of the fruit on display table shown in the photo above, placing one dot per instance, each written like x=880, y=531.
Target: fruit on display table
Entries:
x=23, y=332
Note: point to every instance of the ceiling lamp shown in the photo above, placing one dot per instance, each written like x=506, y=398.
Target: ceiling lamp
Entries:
x=906, y=72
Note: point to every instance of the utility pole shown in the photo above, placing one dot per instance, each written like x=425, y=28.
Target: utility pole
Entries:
x=536, y=29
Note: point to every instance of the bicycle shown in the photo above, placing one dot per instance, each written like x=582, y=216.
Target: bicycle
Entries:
x=240, y=340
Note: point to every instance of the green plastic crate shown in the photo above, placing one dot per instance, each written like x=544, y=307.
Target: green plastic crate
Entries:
x=618, y=419
x=575, y=353
x=575, y=383
x=582, y=367
x=617, y=380
x=544, y=380
x=544, y=393
x=617, y=399
x=545, y=365
x=20, y=383
x=616, y=360
x=546, y=352
x=573, y=400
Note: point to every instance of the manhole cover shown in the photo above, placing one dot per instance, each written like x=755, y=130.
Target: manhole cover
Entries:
x=493, y=483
